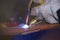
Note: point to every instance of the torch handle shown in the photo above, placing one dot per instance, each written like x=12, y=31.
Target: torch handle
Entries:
x=29, y=6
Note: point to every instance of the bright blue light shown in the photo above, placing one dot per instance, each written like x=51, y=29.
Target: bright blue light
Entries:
x=24, y=26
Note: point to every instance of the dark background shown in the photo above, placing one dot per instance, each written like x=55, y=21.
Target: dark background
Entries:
x=9, y=8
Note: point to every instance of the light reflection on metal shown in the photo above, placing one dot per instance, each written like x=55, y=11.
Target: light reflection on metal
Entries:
x=24, y=26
